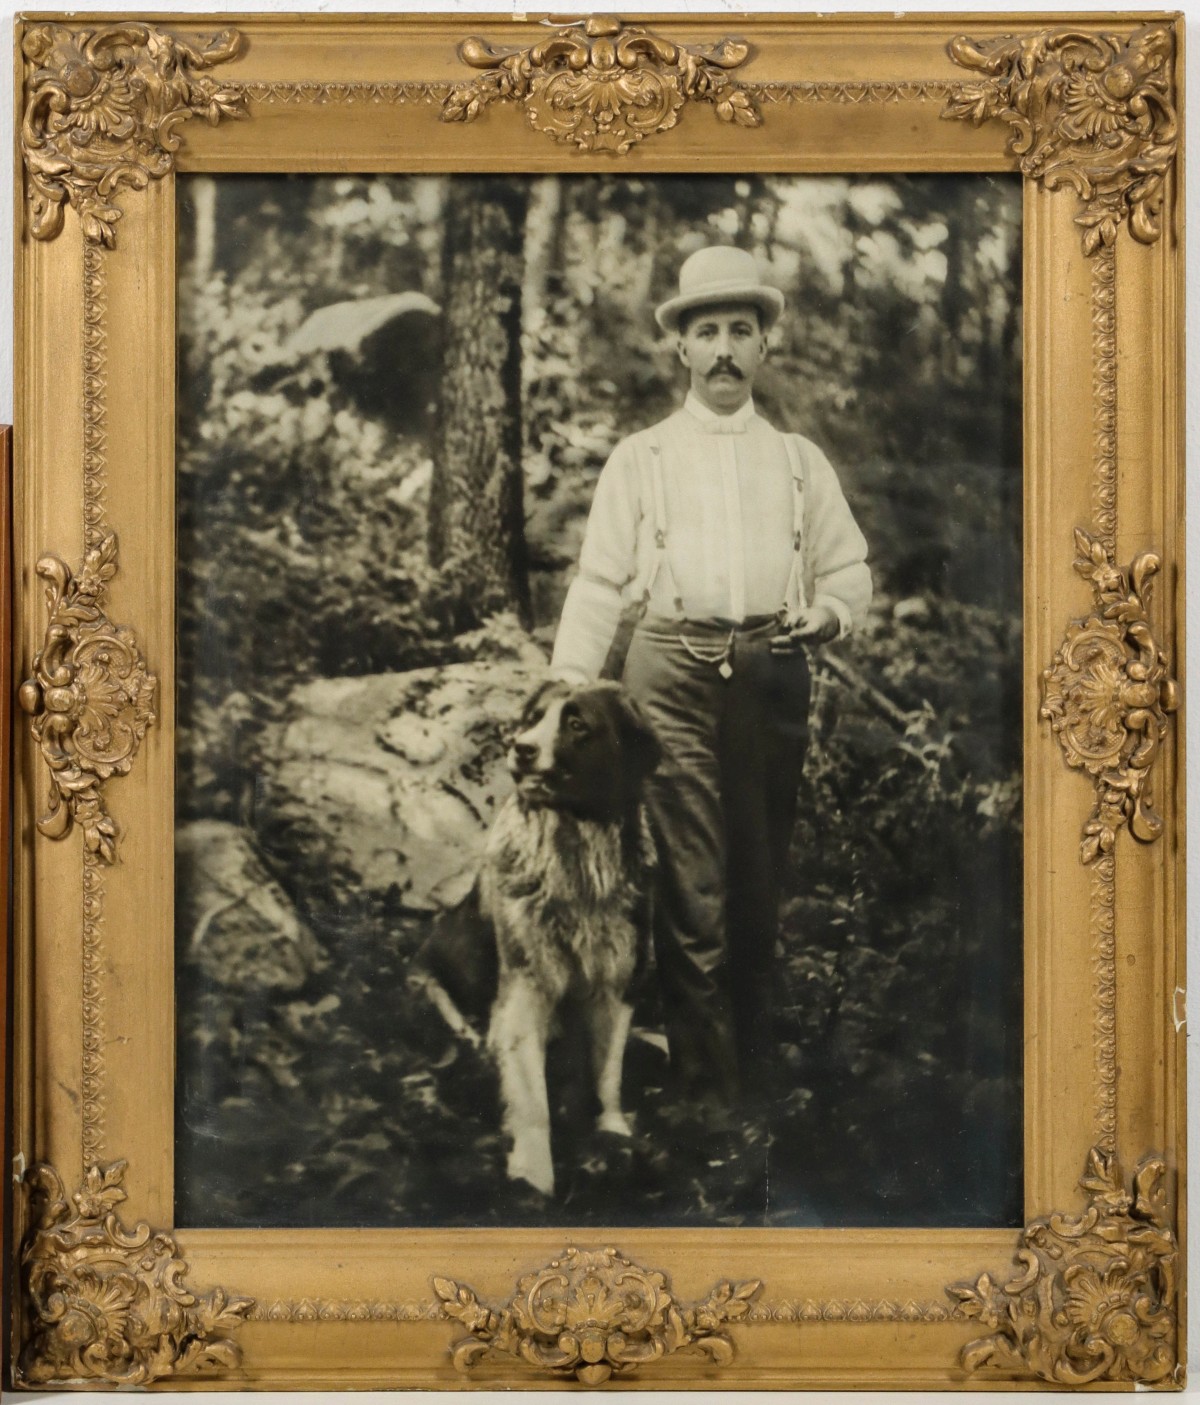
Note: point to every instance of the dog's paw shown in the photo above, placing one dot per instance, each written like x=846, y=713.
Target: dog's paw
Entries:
x=533, y=1165
x=616, y=1123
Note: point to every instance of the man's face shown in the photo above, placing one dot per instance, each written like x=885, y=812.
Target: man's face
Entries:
x=723, y=346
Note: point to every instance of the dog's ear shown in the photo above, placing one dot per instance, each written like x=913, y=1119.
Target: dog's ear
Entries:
x=640, y=744
x=533, y=704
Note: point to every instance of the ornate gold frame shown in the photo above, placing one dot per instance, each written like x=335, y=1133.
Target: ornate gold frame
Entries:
x=109, y=111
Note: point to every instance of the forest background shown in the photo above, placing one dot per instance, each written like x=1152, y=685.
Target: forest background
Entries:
x=395, y=397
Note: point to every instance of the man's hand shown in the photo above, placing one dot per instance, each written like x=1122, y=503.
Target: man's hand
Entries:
x=573, y=677
x=815, y=625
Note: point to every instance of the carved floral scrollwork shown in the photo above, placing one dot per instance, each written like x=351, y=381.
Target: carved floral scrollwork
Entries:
x=102, y=110
x=1091, y=111
x=1095, y=1297
x=90, y=698
x=603, y=84
x=1107, y=696
x=593, y=1315
x=107, y=1304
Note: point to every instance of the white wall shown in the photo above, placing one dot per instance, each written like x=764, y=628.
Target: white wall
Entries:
x=733, y=7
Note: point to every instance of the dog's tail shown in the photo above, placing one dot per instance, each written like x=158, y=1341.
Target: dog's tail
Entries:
x=439, y=997
x=458, y=970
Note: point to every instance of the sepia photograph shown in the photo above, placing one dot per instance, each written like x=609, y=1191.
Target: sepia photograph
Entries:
x=599, y=677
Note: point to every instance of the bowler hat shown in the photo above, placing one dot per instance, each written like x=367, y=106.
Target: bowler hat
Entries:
x=719, y=274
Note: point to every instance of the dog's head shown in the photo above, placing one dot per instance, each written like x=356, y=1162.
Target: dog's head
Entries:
x=583, y=749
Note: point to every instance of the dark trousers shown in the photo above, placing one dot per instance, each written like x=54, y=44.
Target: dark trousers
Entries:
x=723, y=805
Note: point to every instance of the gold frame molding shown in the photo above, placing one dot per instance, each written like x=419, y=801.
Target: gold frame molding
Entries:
x=90, y=697
x=1095, y=1298
x=1108, y=695
x=1093, y=114
x=106, y=1303
x=592, y=1315
x=1093, y=111
x=604, y=84
x=102, y=110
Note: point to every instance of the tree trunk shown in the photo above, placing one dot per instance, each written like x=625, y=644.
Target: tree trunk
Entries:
x=542, y=256
x=204, y=204
x=476, y=516
x=542, y=233
x=1012, y=438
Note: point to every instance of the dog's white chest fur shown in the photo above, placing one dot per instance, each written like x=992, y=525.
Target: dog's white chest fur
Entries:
x=562, y=896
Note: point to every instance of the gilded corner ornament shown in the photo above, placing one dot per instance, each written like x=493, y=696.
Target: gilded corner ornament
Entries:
x=108, y=1305
x=1095, y=112
x=103, y=106
x=90, y=697
x=1108, y=694
x=1094, y=1299
x=593, y=1315
x=603, y=84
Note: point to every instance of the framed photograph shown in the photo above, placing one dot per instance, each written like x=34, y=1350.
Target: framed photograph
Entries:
x=598, y=795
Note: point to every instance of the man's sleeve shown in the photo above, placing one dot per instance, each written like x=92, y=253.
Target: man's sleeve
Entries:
x=607, y=563
x=837, y=548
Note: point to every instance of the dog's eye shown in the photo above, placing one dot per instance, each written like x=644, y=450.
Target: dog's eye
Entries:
x=577, y=725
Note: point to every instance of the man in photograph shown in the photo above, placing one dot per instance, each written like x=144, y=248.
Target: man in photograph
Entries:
x=729, y=549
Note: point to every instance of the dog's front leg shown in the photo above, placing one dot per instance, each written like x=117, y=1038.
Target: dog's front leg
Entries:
x=517, y=1037
x=609, y=1017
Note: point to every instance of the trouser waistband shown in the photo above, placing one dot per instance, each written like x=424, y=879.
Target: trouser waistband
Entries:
x=674, y=625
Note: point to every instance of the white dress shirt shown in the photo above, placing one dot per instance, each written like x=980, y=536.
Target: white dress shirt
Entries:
x=727, y=485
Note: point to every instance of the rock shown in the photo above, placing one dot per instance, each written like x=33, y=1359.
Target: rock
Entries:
x=504, y=637
x=389, y=782
x=413, y=739
x=234, y=920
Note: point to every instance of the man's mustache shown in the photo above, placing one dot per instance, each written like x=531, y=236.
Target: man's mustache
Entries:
x=725, y=368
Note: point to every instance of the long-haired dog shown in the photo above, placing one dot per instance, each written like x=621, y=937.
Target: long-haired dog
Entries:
x=565, y=882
